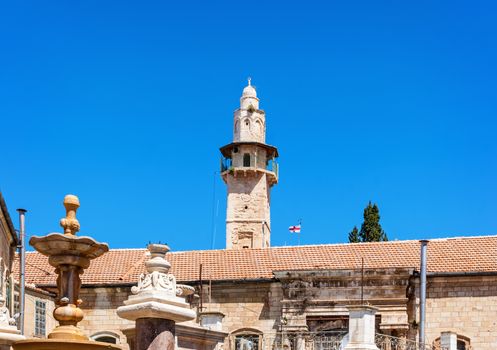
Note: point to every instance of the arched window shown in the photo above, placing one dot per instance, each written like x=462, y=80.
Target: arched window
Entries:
x=463, y=343
x=106, y=337
x=258, y=127
x=246, y=339
x=246, y=159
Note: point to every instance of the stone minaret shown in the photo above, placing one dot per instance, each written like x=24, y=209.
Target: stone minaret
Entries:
x=249, y=169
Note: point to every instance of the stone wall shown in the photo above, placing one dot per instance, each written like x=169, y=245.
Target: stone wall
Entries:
x=247, y=209
x=6, y=252
x=305, y=300
x=465, y=305
x=319, y=300
x=255, y=306
x=248, y=307
x=99, y=306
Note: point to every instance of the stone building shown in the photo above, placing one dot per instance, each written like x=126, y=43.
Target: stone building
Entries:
x=265, y=291
x=39, y=303
x=249, y=298
x=8, y=245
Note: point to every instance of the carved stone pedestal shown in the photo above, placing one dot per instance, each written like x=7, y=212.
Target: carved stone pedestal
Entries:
x=361, y=328
x=9, y=335
x=157, y=304
x=448, y=341
x=8, y=331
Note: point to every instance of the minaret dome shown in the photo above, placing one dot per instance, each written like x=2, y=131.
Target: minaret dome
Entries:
x=249, y=98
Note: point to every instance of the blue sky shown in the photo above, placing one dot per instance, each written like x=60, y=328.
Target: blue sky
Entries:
x=126, y=103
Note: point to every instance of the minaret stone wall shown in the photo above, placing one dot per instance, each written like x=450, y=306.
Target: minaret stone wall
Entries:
x=249, y=169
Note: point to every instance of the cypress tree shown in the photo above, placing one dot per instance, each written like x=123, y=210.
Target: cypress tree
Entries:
x=371, y=230
x=354, y=235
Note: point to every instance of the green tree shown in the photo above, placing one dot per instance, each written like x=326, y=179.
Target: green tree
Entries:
x=371, y=230
x=354, y=235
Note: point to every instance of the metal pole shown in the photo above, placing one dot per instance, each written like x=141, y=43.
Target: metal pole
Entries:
x=422, y=294
x=362, y=282
x=22, y=270
x=201, y=290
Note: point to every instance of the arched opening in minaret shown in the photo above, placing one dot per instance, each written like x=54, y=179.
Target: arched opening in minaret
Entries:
x=246, y=160
x=258, y=128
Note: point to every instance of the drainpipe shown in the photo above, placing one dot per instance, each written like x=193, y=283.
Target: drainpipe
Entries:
x=22, y=269
x=422, y=294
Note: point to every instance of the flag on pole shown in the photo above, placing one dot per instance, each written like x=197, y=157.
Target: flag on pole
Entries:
x=294, y=229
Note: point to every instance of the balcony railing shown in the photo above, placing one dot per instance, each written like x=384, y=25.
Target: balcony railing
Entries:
x=327, y=340
x=387, y=342
x=290, y=341
x=272, y=165
x=226, y=164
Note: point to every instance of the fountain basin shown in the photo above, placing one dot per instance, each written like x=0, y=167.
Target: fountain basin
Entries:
x=59, y=344
x=55, y=244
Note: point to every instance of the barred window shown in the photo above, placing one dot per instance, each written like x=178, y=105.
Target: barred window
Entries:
x=17, y=307
x=8, y=296
x=40, y=318
x=247, y=342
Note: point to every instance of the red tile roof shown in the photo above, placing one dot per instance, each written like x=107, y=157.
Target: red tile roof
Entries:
x=123, y=266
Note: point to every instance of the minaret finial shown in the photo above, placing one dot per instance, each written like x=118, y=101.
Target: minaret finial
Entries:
x=249, y=80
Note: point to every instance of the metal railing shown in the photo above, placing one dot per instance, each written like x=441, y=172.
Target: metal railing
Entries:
x=387, y=342
x=226, y=164
x=290, y=341
x=328, y=340
x=272, y=165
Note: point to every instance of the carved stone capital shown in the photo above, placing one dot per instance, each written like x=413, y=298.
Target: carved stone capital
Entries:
x=157, y=295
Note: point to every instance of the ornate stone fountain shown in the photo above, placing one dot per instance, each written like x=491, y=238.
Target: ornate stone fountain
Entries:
x=157, y=303
x=70, y=255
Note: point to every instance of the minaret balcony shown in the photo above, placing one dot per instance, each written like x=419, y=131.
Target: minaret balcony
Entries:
x=250, y=167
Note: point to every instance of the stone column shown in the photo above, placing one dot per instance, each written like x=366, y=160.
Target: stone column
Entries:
x=448, y=341
x=8, y=331
x=157, y=304
x=155, y=334
x=300, y=342
x=361, y=328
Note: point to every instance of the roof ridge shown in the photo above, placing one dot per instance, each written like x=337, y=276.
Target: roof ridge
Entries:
x=339, y=244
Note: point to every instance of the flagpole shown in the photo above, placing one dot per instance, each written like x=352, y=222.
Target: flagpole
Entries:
x=300, y=225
